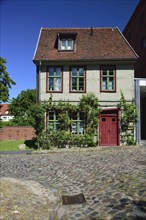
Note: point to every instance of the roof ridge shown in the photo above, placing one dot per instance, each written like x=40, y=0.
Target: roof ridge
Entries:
x=83, y=28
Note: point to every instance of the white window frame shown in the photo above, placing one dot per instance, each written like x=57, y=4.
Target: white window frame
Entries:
x=66, y=47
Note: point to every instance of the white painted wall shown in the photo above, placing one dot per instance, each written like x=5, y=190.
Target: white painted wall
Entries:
x=124, y=80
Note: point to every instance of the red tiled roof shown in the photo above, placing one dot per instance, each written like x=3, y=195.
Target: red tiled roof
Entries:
x=91, y=44
x=4, y=108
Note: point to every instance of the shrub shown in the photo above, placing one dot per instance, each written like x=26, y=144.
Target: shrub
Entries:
x=63, y=139
x=88, y=105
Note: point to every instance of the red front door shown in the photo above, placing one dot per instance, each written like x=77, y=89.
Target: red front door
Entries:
x=108, y=130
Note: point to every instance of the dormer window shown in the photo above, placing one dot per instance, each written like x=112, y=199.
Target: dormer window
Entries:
x=66, y=44
x=66, y=41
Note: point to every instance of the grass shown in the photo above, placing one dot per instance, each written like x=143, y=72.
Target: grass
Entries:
x=10, y=145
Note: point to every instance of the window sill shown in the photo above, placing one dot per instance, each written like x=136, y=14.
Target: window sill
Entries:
x=107, y=91
x=51, y=91
x=66, y=51
x=77, y=91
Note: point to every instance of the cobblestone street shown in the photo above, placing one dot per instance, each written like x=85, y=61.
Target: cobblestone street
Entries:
x=112, y=181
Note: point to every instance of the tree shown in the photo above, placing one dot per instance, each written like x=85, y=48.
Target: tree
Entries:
x=22, y=107
x=5, y=81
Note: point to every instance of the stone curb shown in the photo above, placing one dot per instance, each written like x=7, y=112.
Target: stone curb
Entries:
x=90, y=149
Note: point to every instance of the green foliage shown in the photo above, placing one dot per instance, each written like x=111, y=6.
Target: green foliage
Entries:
x=5, y=81
x=129, y=111
x=6, y=123
x=44, y=140
x=130, y=140
x=22, y=108
x=129, y=115
x=38, y=117
x=62, y=139
x=88, y=104
x=64, y=121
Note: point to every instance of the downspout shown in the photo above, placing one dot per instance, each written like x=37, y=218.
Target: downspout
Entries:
x=137, y=102
x=39, y=84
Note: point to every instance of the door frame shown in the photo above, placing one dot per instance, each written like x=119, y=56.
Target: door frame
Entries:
x=110, y=112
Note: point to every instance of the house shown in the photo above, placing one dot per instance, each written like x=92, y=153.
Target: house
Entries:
x=71, y=62
x=135, y=33
x=4, y=112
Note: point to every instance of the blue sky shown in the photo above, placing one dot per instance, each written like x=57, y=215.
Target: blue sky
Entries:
x=21, y=20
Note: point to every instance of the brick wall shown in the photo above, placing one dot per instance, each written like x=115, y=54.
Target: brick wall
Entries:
x=17, y=133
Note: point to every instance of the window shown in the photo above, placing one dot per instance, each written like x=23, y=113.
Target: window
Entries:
x=52, y=122
x=108, y=79
x=66, y=44
x=54, y=79
x=77, y=79
x=78, y=123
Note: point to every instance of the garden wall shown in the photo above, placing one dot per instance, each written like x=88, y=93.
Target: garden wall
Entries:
x=17, y=133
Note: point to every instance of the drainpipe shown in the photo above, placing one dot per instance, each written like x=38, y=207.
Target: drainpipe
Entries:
x=137, y=102
x=39, y=84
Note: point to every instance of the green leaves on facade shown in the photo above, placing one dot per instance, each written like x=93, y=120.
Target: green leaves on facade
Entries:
x=129, y=111
x=129, y=115
x=88, y=105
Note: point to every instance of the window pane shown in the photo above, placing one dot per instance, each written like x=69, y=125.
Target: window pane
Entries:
x=51, y=116
x=74, y=116
x=63, y=44
x=82, y=117
x=74, y=71
x=58, y=71
x=74, y=128
x=51, y=71
x=57, y=115
x=74, y=83
x=104, y=83
x=81, y=84
x=81, y=129
x=50, y=126
x=69, y=47
x=81, y=71
x=57, y=84
x=111, y=83
x=111, y=72
x=51, y=83
x=104, y=72
x=57, y=126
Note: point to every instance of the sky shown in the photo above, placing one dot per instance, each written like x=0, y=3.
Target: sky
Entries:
x=21, y=21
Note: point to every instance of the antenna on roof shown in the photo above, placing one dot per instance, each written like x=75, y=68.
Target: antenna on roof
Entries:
x=91, y=31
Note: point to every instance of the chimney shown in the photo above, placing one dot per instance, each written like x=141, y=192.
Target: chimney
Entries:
x=91, y=31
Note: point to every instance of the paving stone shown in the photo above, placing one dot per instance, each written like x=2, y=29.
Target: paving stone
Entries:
x=112, y=181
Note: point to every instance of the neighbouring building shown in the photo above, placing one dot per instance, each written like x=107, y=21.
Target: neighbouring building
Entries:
x=71, y=62
x=4, y=112
x=135, y=33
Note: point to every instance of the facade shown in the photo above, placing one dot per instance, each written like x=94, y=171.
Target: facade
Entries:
x=135, y=33
x=4, y=112
x=71, y=62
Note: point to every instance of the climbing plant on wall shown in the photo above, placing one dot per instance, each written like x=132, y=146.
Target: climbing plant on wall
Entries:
x=129, y=115
x=89, y=105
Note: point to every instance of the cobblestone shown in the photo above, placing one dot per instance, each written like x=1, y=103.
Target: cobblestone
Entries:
x=112, y=181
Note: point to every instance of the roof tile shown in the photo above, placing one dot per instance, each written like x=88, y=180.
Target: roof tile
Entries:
x=91, y=44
